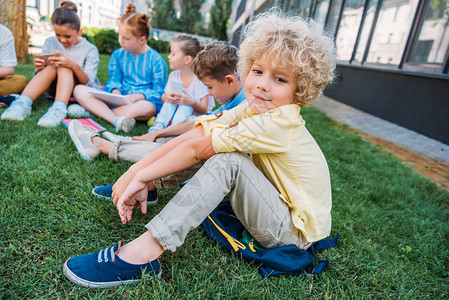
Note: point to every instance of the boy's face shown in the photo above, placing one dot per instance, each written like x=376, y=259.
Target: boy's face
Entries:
x=66, y=35
x=267, y=88
x=222, y=91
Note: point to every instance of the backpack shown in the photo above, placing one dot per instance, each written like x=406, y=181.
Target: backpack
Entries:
x=223, y=226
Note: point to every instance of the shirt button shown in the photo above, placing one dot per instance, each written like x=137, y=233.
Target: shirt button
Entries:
x=233, y=124
x=219, y=114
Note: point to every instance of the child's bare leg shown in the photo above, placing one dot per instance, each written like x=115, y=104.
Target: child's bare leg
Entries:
x=92, y=104
x=40, y=82
x=141, y=250
x=140, y=110
x=65, y=84
x=102, y=144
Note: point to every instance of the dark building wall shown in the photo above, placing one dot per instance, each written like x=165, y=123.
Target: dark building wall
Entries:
x=415, y=101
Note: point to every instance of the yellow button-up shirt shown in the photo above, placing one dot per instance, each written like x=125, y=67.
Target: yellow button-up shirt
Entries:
x=286, y=153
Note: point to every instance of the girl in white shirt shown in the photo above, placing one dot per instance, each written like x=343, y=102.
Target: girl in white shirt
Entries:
x=193, y=99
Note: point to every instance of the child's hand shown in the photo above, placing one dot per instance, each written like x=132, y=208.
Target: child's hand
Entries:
x=135, y=196
x=116, y=91
x=121, y=184
x=62, y=61
x=184, y=99
x=134, y=97
x=39, y=63
x=150, y=137
x=169, y=97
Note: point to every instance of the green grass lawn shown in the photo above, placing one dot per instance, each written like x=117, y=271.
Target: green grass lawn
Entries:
x=393, y=224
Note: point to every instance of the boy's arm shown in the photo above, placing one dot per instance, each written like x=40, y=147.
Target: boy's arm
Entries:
x=6, y=71
x=184, y=155
x=173, y=130
x=122, y=183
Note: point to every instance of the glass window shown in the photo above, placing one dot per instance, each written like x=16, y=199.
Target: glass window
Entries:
x=348, y=28
x=321, y=12
x=31, y=3
x=431, y=44
x=334, y=12
x=304, y=9
x=392, y=30
x=365, y=30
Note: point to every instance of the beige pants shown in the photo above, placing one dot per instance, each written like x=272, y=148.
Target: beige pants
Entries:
x=13, y=84
x=254, y=200
x=133, y=151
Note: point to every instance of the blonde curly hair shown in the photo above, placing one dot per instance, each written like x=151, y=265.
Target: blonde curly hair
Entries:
x=294, y=43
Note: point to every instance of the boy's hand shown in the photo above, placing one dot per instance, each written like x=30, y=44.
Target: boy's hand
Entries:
x=62, y=61
x=116, y=91
x=121, y=184
x=134, y=196
x=150, y=137
x=39, y=63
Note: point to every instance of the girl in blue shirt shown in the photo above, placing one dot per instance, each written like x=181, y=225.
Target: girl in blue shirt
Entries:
x=135, y=70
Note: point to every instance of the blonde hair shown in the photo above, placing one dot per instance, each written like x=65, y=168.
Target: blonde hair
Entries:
x=139, y=23
x=294, y=43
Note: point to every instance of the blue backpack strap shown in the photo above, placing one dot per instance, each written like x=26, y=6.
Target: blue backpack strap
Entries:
x=325, y=244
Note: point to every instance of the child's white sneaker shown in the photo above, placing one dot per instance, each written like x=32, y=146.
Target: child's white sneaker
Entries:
x=125, y=124
x=77, y=111
x=156, y=126
x=81, y=137
x=52, y=117
x=17, y=111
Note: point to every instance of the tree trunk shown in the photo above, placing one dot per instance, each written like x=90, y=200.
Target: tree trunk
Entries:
x=12, y=15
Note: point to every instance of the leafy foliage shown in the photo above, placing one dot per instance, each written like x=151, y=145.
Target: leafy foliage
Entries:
x=190, y=14
x=163, y=15
x=219, y=19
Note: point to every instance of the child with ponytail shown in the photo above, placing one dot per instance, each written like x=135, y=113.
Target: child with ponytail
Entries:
x=193, y=97
x=71, y=59
x=135, y=71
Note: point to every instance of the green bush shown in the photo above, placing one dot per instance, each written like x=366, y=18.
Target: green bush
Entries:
x=106, y=41
x=88, y=37
x=160, y=46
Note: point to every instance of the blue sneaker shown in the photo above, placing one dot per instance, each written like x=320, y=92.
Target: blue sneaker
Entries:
x=105, y=192
x=104, y=269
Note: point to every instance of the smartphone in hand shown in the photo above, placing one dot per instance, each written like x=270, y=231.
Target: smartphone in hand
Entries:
x=46, y=57
x=177, y=87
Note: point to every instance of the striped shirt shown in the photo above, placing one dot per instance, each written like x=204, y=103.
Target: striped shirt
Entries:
x=138, y=74
x=84, y=54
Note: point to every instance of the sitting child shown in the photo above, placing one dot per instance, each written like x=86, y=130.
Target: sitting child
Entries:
x=135, y=70
x=75, y=60
x=215, y=66
x=9, y=83
x=194, y=97
x=282, y=194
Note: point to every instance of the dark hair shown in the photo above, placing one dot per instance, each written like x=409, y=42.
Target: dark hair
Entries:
x=66, y=15
x=139, y=23
x=189, y=45
x=216, y=60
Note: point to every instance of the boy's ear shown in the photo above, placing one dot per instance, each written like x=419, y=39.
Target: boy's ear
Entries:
x=80, y=32
x=230, y=80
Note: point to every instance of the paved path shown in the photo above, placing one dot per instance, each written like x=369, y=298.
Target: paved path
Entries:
x=383, y=129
